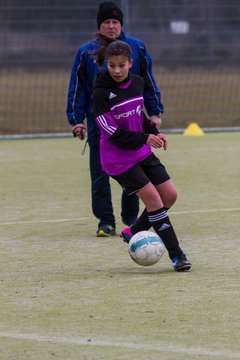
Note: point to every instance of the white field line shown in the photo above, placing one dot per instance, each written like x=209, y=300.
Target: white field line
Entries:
x=69, y=134
x=87, y=218
x=203, y=211
x=161, y=348
x=42, y=221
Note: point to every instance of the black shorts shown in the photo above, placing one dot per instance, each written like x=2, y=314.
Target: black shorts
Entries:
x=148, y=170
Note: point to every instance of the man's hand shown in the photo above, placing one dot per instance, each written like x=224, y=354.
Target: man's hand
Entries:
x=156, y=119
x=79, y=131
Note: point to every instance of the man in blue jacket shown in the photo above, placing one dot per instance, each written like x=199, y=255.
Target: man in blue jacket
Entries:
x=79, y=108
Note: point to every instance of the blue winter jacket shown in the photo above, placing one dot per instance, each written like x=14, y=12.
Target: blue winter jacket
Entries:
x=84, y=71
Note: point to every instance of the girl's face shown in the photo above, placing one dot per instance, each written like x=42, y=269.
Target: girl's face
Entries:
x=118, y=67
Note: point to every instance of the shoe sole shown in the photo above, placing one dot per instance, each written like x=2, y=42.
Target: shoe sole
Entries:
x=103, y=234
x=124, y=239
x=183, y=268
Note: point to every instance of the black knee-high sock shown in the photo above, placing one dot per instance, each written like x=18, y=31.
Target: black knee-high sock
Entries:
x=162, y=225
x=142, y=223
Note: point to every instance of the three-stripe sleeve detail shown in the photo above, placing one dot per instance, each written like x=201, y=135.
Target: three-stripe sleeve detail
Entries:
x=102, y=121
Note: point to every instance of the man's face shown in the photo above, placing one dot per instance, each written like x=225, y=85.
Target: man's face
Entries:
x=110, y=28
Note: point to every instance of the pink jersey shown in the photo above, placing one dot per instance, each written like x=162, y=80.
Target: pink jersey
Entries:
x=118, y=107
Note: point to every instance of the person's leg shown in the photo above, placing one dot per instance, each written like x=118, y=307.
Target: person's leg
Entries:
x=168, y=194
x=157, y=174
x=159, y=220
x=100, y=187
x=136, y=180
x=130, y=208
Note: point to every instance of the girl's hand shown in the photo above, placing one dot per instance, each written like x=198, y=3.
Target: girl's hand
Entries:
x=163, y=139
x=157, y=141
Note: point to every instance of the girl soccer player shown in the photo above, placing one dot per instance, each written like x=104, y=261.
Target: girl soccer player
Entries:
x=127, y=136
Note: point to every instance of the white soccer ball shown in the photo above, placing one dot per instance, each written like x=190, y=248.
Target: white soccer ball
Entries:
x=146, y=248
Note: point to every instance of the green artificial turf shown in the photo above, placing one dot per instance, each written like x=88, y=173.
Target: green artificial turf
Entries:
x=66, y=294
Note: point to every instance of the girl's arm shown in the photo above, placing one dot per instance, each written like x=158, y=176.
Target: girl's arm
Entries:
x=125, y=139
x=148, y=126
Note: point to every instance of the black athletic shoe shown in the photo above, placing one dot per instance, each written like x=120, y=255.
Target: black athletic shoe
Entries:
x=106, y=231
x=181, y=263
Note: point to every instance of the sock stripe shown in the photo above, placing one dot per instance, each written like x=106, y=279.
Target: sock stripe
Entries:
x=157, y=217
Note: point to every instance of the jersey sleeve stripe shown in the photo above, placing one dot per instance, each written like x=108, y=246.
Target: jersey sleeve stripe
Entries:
x=104, y=125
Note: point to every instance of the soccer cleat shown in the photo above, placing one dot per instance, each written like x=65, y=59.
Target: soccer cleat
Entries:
x=181, y=263
x=106, y=231
x=126, y=234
